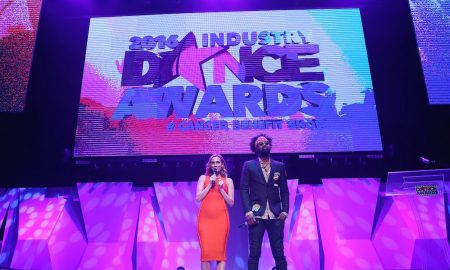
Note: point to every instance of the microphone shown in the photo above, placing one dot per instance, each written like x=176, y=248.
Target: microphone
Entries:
x=213, y=181
x=242, y=225
x=245, y=224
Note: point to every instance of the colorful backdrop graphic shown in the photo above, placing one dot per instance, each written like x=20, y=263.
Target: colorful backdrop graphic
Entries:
x=18, y=25
x=432, y=25
x=202, y=83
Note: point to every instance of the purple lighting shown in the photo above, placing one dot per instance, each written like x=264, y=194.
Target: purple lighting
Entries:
x=114, y=226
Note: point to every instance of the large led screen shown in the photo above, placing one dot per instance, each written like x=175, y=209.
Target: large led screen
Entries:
x=207, y=82
x=432, y=24
x=18, y=26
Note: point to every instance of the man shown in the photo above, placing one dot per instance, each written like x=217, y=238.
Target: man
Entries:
x=265, y=198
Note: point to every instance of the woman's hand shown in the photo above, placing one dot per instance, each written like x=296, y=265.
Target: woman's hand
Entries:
x=228, y=196
x=212, y=179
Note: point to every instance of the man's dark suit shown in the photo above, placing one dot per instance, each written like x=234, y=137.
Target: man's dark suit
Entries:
x=255, y=192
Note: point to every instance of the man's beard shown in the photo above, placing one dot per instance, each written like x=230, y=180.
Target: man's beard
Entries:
x=265, y=152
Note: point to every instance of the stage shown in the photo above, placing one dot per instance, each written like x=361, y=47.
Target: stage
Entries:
x=109, y=111
x=340, y=224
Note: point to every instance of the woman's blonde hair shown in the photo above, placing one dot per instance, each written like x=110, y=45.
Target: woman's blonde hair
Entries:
x=222, y=171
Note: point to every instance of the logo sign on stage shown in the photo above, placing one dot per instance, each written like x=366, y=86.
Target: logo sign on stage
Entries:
x=200, y=83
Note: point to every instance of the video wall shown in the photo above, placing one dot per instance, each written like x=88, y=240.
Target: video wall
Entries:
x=18, y=26
x=201, y=83
x=432, y=25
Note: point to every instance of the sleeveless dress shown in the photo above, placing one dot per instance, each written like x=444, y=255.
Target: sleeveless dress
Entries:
x=213, y=223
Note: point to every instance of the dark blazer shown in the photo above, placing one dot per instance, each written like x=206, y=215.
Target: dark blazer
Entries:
x=255, y=190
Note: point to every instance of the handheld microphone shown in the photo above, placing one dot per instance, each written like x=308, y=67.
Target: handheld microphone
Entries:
x=213, y=181
x=242, y=225
x=245, y=224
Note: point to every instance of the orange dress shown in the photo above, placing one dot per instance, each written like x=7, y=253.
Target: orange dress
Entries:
x=213, y=224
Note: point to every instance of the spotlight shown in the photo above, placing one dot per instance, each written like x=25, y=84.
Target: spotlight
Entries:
x=426, y=161
x=149, y=160
x=82, y=162
x=306, y=156
x=374, y=156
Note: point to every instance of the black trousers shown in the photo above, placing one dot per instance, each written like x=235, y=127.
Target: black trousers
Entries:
x=275, y=230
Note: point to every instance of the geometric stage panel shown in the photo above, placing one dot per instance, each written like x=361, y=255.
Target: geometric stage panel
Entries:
x=342, y=224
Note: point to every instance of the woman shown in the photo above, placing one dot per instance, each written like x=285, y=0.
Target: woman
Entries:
x=214, y=191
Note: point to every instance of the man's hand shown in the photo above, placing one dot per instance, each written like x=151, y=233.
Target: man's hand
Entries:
x=282, y=216
x=250, y=217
